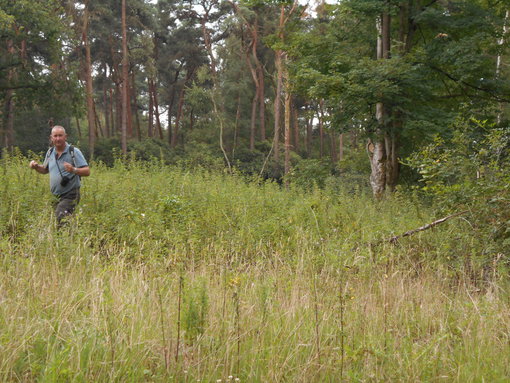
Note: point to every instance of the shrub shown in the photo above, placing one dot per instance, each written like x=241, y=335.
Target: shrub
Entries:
x=471, y=171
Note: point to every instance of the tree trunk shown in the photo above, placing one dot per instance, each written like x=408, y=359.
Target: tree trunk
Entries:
x=178, y=117
x=77, y=120
x=260, y=78
x=236, y=123
x=8, y=119
x=499, y=61
x=341, y=147
x=88, y=82
x=99, y=128
x=156, y=109
x=171, y=105
x=255, y=100
x=129, y=110
x=112, y=114
x=150, y=125
x=106, y=111
x=295, y=125
x=377, y=152
x=125, y=81
x=334, y=153
x=288, y=101
x=279, y=84
x=257, y=72
x=253, y=119
x=217, y=101
x=134, y=102
x=320, y=113
x=277, y=105
x=309, y=133
x=392, y=165
x=262, y=105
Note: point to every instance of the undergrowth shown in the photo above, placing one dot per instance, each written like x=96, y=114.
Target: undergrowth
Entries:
x=169, y=274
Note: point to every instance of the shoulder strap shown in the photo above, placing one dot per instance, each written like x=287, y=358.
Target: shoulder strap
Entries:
x=71, y=151
x=47, y=158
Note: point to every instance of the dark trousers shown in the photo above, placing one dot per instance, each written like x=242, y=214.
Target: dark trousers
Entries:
x=65, y=204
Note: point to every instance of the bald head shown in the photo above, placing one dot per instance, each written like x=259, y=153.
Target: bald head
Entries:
x=59, y=128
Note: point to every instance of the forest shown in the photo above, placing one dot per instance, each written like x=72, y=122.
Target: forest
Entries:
x=280, y=191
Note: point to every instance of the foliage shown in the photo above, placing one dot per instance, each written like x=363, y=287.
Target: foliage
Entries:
x=470, y=170
x=41, y=76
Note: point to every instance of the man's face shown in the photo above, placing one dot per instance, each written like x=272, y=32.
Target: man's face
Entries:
x=58, y=137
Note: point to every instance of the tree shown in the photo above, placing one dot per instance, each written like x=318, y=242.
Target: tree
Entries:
x=409, y=88
x=32, y=68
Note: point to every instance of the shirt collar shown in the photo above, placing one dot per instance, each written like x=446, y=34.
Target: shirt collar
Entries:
x=66, y=149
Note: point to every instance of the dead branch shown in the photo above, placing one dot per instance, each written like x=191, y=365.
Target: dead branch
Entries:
x=394, y=240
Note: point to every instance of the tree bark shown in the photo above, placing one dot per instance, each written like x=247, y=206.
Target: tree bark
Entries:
x=218, y=103
x=150, y=125
x=171, y=105
x=334, y=153
x=288, y=101
x=377, y=152
x=236, y=123
x=341, y=147
x=106, y=111
x=9, y=118
x=88, y=82
x=134, y=101
x=156, y=109
x=260, y=77
x=99, y=128
x=125, y=81
x=309, y=132
x=253, y=119
x=178, y=116
x=277, y=105
x=295, y=126
x=320, y=116
x=257, y=72
x=112, y=102
x=279, y=85
x=255, y=101
x=499, y=61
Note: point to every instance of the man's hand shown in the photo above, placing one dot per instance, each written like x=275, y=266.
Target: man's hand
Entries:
x=82, y=172
x=69, y=168
x=38, y=168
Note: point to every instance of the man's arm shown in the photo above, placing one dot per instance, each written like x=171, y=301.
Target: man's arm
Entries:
x=38, y=168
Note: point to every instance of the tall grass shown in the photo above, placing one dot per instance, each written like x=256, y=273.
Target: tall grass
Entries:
x=166, y=274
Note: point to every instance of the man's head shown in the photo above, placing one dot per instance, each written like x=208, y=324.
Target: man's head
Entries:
x=58, y=136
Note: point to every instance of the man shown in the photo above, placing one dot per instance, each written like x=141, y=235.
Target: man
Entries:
x=66, y=165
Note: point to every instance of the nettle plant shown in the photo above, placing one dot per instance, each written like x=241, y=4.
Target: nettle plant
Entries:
x=471, y=171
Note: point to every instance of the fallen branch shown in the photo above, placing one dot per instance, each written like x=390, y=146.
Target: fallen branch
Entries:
x=395, y=239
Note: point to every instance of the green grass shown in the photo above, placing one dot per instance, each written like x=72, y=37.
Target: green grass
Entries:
x=166, y=274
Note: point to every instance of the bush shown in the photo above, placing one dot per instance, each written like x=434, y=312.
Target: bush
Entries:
x=471, y=171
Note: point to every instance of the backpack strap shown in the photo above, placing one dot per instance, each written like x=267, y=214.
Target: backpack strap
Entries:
x=71, y=151
x=47, y=158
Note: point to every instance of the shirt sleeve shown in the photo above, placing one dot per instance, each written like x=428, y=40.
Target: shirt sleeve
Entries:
x=80, y=161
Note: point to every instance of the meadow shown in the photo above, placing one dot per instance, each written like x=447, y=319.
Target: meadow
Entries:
x=170, y=274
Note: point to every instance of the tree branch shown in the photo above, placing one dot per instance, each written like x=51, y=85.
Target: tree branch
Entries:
x=394, y=240
x=472, y=86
